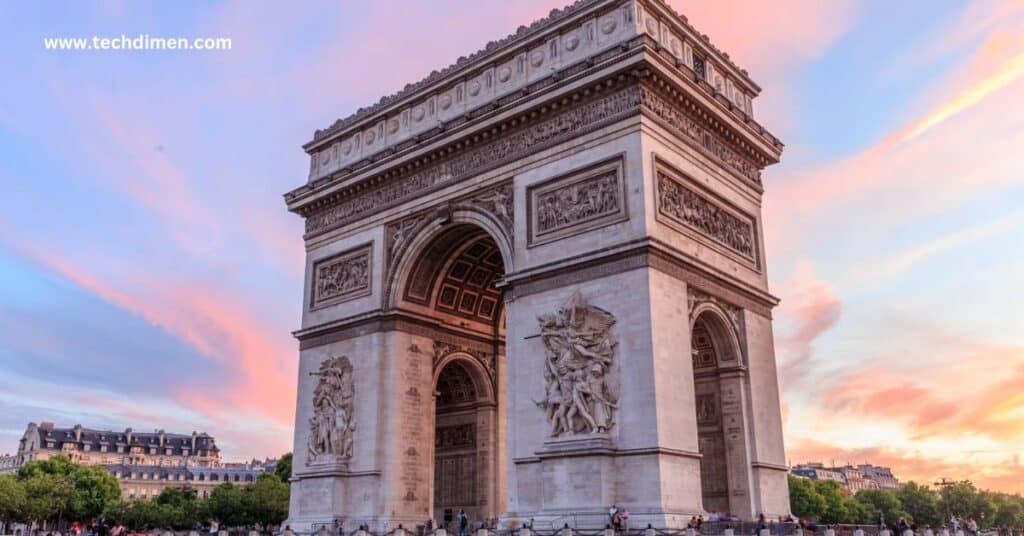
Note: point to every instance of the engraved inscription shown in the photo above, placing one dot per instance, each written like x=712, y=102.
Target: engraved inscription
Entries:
x=341, y=277
x=684, y=205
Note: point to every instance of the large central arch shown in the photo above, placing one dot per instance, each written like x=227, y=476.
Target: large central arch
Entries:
x=449, y=275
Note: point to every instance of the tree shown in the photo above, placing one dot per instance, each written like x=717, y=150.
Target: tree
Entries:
x=1010, y=513
x=881, y=500
x=804, y=499
x=12, y=500
x=226, y=504
x=835, y=502
x=48, y=496
x=283, y=469
x=921, y=504
x=95, y=490
x=58, y=489
x=266, y=500
x=180, y=507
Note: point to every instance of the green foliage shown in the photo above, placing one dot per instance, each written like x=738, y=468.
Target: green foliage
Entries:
x=836, y=508
x=266, y=500
x=881, y=500
x=283, y=469
x=59, y=489
x=226, y=504
x=13, y=499
x=921, y=504
x=804, y=499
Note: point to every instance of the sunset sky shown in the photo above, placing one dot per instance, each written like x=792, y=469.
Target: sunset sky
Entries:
x=150, y=275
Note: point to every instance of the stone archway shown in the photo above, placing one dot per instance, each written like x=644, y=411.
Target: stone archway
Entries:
x=464, y=422
x=719, y=388
x=449, y=275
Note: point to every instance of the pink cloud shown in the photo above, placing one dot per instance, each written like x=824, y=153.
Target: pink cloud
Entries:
x=809, y=308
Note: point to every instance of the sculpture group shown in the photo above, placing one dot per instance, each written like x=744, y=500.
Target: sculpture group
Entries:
x=580, y=396
x=332, y=423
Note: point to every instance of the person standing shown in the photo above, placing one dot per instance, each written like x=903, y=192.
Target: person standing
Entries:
x=463, y=522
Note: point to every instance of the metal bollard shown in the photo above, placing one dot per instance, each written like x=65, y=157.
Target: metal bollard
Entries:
x=729, y=532
x=830, y=532
x=566, y=531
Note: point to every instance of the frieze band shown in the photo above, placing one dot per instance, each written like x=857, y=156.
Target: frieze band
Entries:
x=681, y=204
x=528, y=138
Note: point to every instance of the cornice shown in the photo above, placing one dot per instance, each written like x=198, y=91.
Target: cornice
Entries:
x=526, y=102
x=512, y=66
x=505, y=134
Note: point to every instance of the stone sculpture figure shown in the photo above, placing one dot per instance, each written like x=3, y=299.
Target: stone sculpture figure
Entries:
x=333, y=422
x=580, y=396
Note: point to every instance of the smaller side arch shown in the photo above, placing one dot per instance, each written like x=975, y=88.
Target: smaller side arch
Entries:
x=485, y=390
x=723, y=332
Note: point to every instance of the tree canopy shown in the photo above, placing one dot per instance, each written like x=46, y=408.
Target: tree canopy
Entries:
x=59, y=490
x=825, y=502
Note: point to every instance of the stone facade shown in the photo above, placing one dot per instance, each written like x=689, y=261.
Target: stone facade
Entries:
x=143, y=462
x=560, y=300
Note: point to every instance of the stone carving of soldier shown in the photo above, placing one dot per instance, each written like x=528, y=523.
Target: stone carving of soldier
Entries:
x=579, y=351
x=332, y=423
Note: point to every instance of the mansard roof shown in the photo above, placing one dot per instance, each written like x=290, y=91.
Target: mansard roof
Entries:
x=95, y=438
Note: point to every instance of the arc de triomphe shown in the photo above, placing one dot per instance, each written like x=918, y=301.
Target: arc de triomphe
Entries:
x=535, y=287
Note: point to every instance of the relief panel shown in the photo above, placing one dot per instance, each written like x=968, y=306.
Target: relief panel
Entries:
x=342, y=277
x=685, y=205
x=580, y=201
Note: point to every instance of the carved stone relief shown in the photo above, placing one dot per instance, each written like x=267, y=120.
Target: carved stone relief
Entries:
x=683, y=205
x=333, y=421
x=581, y=395
x=577, y=202
x=690, y=129
x=516, y=143
x=342, y=277
x=707, y=409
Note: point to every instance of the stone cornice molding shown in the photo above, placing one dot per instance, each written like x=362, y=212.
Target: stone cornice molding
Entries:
x=644, y=89
x=641, y=253
x=380, y=320
x=570, y=32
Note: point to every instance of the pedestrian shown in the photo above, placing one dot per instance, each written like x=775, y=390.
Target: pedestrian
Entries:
x=611, y=514
x=463, y=522
x=762, y=523
x=624, y=518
